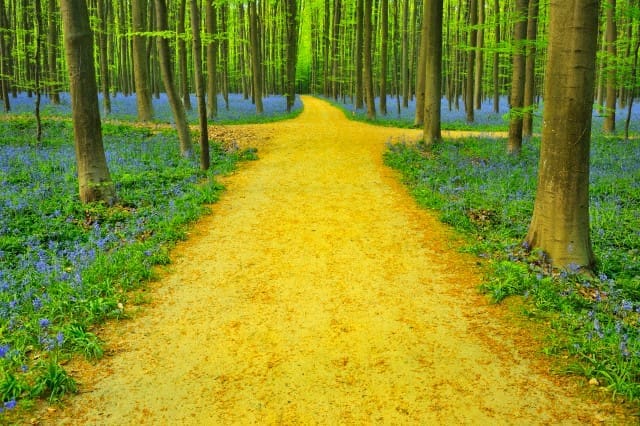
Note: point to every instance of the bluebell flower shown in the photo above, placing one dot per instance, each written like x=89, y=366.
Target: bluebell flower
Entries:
x=37, y=304
x=11, y=404
x=624, y=350
x=627, y=305
x=60, y=338
x=4, y=350
x=44, y=323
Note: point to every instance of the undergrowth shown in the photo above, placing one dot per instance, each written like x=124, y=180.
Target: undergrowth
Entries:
x=66, y=266
x=488, y=196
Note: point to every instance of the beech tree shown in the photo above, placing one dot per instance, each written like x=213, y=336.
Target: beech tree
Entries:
x=560, y=222
x=200, y=86
x=609, y=124
x=433, y=70
x=94, y=180
x=140, y=60
x=517, y=80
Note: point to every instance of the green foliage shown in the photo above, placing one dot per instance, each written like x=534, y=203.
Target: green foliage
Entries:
x=488, y=196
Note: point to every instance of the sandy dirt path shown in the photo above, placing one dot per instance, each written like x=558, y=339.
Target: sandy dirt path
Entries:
x=318, y=293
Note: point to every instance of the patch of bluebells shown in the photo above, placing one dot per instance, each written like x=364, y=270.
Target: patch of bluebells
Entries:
x=62, y=262
x=489, y=195
x=125, y=108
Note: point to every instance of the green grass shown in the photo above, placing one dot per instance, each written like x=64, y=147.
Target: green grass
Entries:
x=488, y=196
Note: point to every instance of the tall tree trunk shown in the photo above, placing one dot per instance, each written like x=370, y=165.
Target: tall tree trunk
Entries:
x=471, y=61
x=212, y=58
x=609, y=124
x=496, y=60
x=530, y=69
x=517, y=81
x=359, y=54
x=200, y=85
x=182, y=55
x=421, y=76
x=4, y=57
x=52, y=51
x=256, y=60
x=326, y=42
x=179, y=115
x=477, y=83
x=560, y=222
x=335, y=53
x=140, y=60
x=405, y=54
x=292, y=51
x=368, y=66
x=433, y=68
x=384, y=51
x=94, y=180
x=38, y=68
x=103, y=57
x=224, y=54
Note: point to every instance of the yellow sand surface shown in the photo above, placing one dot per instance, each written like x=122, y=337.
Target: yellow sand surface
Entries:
x=317, y=292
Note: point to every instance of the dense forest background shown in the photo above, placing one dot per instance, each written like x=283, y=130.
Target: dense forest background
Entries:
x=332, y=47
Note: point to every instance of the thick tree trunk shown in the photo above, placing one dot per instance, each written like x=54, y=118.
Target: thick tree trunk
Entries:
x=530, y=69
x=94, y=180
x=179, y=115
x=212, y=59
x=433, y=69
x=368, y=66
x=200, y=86
x=517, y=80
x=560, y=222
x=471, y=61
x=140, y=60
x=609, y=124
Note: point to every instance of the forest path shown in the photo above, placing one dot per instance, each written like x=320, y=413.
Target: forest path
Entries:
x=319, y=293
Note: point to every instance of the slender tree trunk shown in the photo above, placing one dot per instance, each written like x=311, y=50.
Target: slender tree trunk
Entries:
x=94, y=180
x=326, y=42
x=38, y=68
x=179, y=115
x=530, y=69
x=212, y=58
x=52, y=52
x=471, y=61
x=368, y=66
x=517, y=81
x=200, y=85
x=477, y=83
x=421, y=76
x=103, y=57
x=405, y=54
x=496, y=60
x=292, y=51
x=359, y=54
x=140, y=60
x=182, y=55
x=384, y=51
x=256, y=61
x=560, y=222
x=224, y=54
x=335, y=53
x=609, y=124
x=433, y=68
x=634, y=72
x=4, y=57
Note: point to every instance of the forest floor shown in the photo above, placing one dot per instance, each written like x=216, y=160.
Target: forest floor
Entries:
x=318, y=292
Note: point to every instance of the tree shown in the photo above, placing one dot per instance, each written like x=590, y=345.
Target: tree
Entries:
x=140, y=60
x=609, y=124
x=530, y=68
x=182, y=55
x=292, y=51
x=103, y=56
x=211, y=18
x=471, y=61
x=94, y=180
x=200, y=86
x=368, y=67
x=560, y=222
x=421, y=76
x=496, y=59
x=517, y=80
x=477, y=83
x=256, y=56
x=384, y=41
x=358, y=53
x=433, y=69
x=52, y=51
x=179, y=115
